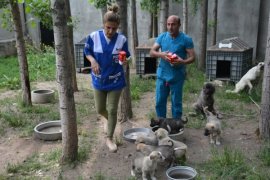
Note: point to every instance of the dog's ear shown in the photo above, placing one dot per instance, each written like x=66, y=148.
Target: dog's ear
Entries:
x=152, y=156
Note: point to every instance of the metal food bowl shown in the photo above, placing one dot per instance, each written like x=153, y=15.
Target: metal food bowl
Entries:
x=181, y=173
x=49, y=131
x=132, y=134
x=42, y=96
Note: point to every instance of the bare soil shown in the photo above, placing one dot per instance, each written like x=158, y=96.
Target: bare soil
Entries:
x=238, y=133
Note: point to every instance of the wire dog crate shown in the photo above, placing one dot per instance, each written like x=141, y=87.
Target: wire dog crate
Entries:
x=229, y=60
x=81, y=61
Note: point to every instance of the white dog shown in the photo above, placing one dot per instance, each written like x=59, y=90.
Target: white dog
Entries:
x=251, y=75
x=147, y=165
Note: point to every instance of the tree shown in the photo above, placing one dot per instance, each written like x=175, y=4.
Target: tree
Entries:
x=164, y=11
x=134, y=30
x=70, y=41
x=21, y=51
x=214, y=34
x=125, y=110
x=203, y=35
x=185, y=16
x=152, y=6
x=65, y=88
x=264, y=124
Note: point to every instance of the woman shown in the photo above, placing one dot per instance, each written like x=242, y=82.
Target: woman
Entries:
x=101, y=49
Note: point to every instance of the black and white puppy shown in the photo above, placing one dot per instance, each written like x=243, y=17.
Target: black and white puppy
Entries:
x=251, y=75
x=205, y=99
x=173, y=126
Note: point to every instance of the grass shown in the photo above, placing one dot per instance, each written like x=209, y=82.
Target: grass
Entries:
x=226, y=164
x=264, y=154
x=139, y=85
x=41, y=67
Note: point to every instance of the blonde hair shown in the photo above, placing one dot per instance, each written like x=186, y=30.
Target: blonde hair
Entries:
x=112, y=14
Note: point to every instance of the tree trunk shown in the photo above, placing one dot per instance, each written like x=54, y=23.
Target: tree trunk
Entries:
x=71, y=44
x=21, y=51
x=125, y=110
x=185, y=16
x=151, y=26
x=164, y=11
x=155, y=25
x=65, y=88
x=134, y=31
x=214, y=34
x=264, y=124
x=203, y=38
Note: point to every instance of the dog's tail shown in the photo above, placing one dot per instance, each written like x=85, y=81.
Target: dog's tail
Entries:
x=230, y=91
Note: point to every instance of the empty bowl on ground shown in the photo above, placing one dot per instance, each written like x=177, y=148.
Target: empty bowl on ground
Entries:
x=181, y=173
x=42, y=96
x=50, y=130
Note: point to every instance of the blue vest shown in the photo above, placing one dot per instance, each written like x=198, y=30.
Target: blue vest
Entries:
x=111, y=75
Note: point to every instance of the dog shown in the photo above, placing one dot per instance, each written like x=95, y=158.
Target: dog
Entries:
x=167, y=150
x=206, y=98
x=172, y=125
x=212, y=127
x=180, y=148
x=246, y=80
x=146, y=165
x=149, y=140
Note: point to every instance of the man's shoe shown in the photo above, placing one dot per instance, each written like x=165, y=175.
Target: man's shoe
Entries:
x=111, y=145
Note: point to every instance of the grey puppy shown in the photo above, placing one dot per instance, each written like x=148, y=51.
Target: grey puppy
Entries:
x=167, y=150
x=212, y=127
x=150, y=140
x=146, y=165
x=206, y=99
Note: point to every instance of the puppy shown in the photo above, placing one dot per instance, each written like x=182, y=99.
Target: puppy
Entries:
x=150, y=140
x=167, y=150
x=251, y=75
x=173, y=126
x=206, y=98
x=180, y=149
x=161, y=134
x=212, y=127
x=146, y=165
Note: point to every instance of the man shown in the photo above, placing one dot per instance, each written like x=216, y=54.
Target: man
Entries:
x=177, y=50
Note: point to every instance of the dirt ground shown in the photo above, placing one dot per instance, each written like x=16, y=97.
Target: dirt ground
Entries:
x=238, y=133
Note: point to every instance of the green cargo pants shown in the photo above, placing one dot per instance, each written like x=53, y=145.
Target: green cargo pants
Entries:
x=106, y=103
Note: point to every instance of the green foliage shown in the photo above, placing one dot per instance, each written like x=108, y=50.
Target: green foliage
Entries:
x=10, y=83
x=195, y=6
x=6, y=19
x=41, y=66
x=3, y=3
x=151, y=5
x=41, y=10
x=99, y=3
